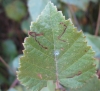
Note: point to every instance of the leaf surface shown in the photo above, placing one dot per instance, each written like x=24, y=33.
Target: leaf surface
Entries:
x=92, y=85
x=57, y=51
x=50, y=86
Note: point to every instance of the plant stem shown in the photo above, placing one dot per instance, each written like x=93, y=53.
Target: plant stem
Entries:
x=6, y=65
x=98, y=23
x=72, y=13
x=14, y=83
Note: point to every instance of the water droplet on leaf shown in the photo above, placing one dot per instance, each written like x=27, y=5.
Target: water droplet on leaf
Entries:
x=56, y=52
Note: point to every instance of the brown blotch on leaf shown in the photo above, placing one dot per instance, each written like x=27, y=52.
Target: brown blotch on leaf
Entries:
x=40, y=76
x=62, y=49
x=79, y=73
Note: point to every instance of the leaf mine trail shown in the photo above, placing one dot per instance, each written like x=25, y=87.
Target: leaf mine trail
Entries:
x=34, y=34
x=59, y=37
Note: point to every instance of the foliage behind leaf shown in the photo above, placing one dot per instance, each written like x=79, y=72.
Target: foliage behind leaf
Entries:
x=79, y=3
x=25, y=25
x=9, y=49
x=35, y=7
x=94, y=42
x=16, y=10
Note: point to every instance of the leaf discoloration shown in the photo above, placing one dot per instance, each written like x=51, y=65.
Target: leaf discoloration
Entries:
x=34, y=34
x=59, y=37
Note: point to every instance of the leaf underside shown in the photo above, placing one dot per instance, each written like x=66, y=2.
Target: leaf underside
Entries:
x=56, y=51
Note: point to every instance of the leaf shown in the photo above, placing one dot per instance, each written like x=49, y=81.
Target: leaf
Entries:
x=16, y=10
x=36, y=6
x=25, y=25
x=50, y=86
x=79, y=3
x=18, y=88
x=9, y=48
x=15, y=62
x=93, y=41
x=12, y=89
x=92, y=85
x=56, y=51
x=45, y=89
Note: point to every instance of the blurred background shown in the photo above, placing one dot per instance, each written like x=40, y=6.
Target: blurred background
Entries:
x=15, y=19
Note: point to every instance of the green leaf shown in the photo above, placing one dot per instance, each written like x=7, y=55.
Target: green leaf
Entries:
x=9, y=48
x=45, y=89
x=25, y=25
x=92, y=85
x=50, y=86
x=56, y=51
x=12, y=89
x=93, y=41
x=79, y=3
x=15, y=62
x=36, y=6
x=18, y=88
x=16, y=10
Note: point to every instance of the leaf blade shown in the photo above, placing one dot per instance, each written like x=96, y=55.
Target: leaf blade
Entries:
x=61, y=38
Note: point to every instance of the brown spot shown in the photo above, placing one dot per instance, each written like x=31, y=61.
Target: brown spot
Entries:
x=84, y=36
x=94, y=65
x=40, y=76
x=62, y=49
x=79, y=73
x=45, y=47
